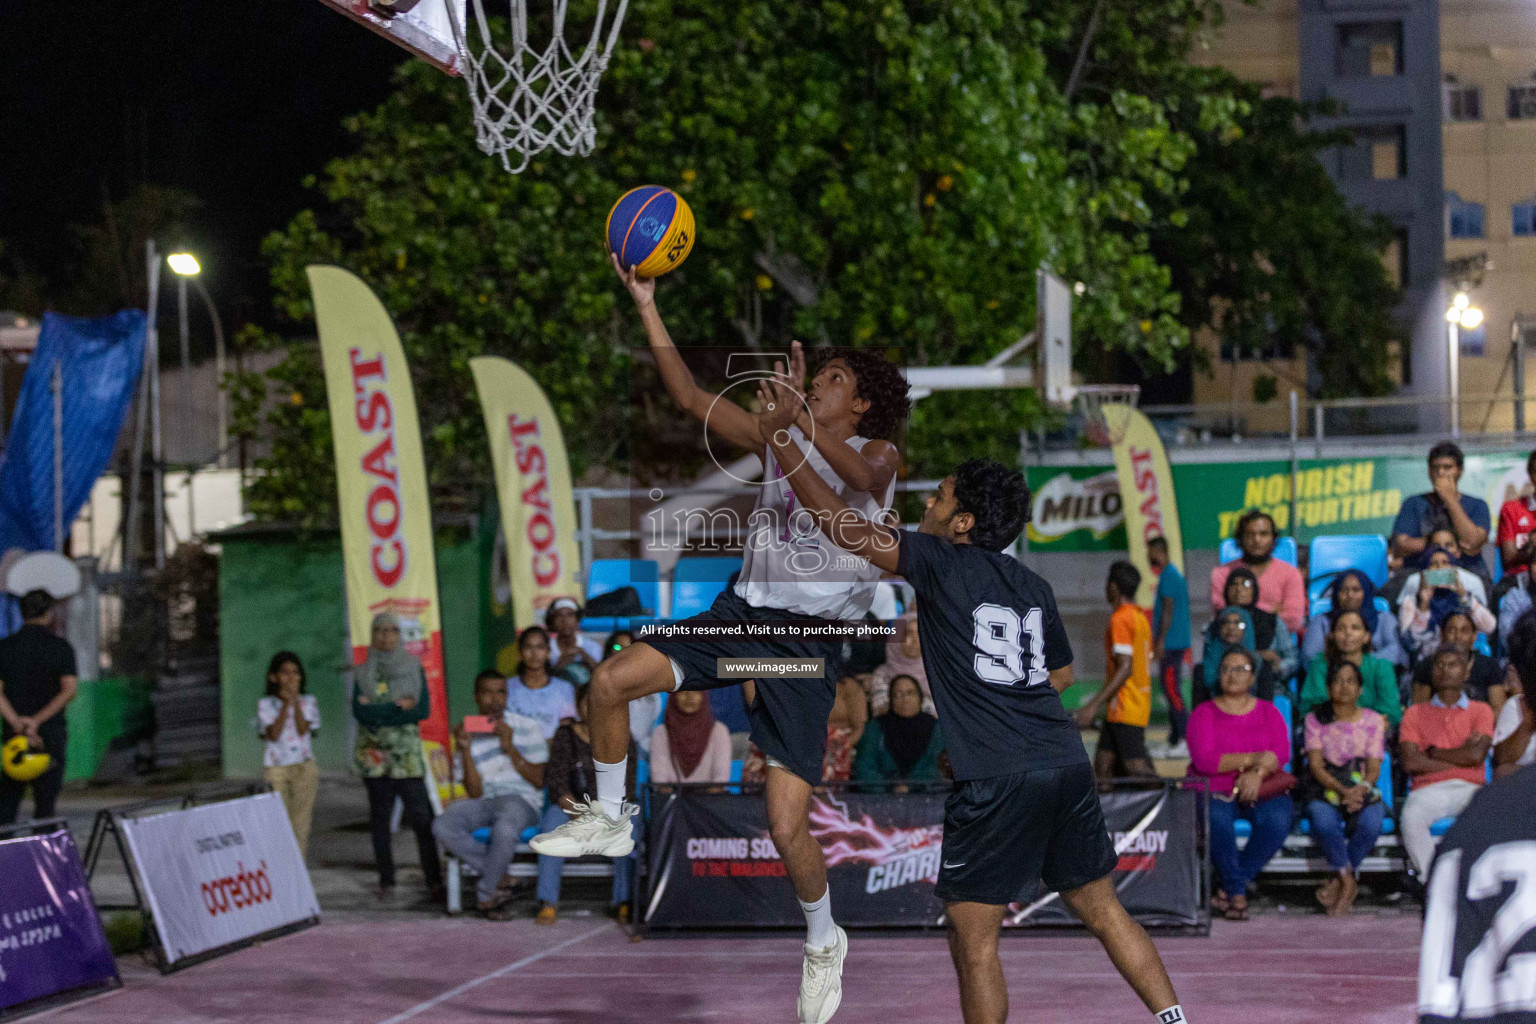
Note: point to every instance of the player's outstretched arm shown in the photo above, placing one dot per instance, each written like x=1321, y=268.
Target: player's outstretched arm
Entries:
x=845, y=527
x=721, y=415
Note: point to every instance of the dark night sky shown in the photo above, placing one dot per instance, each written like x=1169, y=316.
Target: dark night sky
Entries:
x=234, y=102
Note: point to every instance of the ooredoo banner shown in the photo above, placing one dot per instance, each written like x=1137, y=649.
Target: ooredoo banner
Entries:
x=381, y=480
x=712, y=863
x=533, y=486
x=220, y=873
x=51, y=940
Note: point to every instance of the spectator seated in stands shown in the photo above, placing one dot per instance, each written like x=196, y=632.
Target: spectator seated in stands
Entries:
x=1272, y=640
x=1443, y=507
x=1345, y=744
x=902, y=745
x=1514, y=737
x=1434, y=593
x=1349, y=640
x=502, y=772
x=1281, y=588
x=570, y=779
x=689, y=745
x=1443, y=745
x=1484, y=680
x=1519, y=598
x=1240, y=742
x=1232, y=627
x=566, y=646
x=845, y=727
x=1353, y=591
x=535, y=692
x=1517, y=532
x=903, y=657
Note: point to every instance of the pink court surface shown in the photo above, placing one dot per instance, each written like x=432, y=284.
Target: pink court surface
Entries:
x=1295, y=969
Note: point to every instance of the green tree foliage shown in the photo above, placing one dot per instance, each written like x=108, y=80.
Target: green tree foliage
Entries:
x=876, y=174
x=1271, y=250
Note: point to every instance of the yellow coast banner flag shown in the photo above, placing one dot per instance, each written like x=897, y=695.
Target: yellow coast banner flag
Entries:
x=381, y=481
x=533, y=486
x=1146, y=491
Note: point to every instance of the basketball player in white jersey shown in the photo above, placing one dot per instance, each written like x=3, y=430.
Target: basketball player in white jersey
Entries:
x=790, y=573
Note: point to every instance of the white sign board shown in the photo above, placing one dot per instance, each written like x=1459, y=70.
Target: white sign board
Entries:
x=220, y=873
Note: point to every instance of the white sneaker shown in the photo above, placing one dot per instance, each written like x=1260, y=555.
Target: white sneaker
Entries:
x=821, y=981
x=589, y=833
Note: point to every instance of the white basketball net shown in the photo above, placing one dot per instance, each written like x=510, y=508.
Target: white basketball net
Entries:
x=528, y=100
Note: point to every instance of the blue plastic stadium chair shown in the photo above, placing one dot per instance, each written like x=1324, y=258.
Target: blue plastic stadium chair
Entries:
x=1322, y=604
x=609, y=574
x=483, y=835
x=736, y=766
x=1384, y=783
x=696, y=582
x=1285, y=550
x=1498, y=560
x=1442, y=826
x=1329, y=556
x=1481, y=645
x=1243, y=828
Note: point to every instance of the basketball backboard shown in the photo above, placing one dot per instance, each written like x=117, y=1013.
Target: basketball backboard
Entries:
x=422, y=28
x=1054, y=335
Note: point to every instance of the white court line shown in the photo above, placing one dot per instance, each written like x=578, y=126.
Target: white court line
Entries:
x=459, y=990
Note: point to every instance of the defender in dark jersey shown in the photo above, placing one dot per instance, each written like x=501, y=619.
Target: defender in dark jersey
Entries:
x=1478, y=960
x=1024, y=806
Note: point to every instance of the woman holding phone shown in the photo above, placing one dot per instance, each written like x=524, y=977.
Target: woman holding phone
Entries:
x=1430, y=596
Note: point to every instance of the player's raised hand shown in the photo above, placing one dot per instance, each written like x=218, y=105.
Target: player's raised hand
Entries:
x=641, y=289
x=779, y=406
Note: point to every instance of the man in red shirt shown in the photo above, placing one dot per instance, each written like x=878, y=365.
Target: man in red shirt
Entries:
x=1444, y=744
x=1517, y=527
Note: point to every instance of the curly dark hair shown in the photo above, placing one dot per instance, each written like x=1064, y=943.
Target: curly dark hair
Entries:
x=880, y=382
x=1253, y=515
x=997, y=497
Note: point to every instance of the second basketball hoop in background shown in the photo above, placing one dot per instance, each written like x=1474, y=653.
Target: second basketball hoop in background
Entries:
x=651, y=229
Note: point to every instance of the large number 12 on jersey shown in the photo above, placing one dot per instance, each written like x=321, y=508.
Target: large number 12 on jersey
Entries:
x=1009, y=642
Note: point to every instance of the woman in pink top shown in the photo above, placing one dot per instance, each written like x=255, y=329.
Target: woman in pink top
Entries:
x=1281, y=588
x=1239, y=741
x=689, y=745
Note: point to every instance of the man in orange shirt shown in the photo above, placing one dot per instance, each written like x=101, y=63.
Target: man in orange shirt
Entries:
x=1127, y=692
x=1444, y=744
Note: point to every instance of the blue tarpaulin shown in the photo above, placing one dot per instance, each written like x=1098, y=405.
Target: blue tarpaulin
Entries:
x=101, y=359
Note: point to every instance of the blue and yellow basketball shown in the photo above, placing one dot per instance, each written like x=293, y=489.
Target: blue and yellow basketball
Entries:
x=650, y=228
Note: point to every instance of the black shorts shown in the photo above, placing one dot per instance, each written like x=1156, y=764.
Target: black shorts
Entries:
x=1127, y=742
x=789, y=716
x=1001, y=835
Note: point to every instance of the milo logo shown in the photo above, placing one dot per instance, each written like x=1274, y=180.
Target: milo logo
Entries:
x=1063, y=505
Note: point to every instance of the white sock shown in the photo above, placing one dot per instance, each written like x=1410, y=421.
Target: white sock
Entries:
x=610, y=786
x=818, y=922
x=1173, y=1015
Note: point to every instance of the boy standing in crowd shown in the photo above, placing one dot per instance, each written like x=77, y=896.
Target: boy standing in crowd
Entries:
x=1170, y=639
x=1126, y=697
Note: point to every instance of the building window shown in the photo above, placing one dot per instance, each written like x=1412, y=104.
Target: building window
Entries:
x=1473, y=340
x=1522, y=102
x=1380, y=152
x=1522, y=217
x=1370, y=48
x=1465, y=218
x=1395, y=258
x=1274, y=346
x=1461, y=102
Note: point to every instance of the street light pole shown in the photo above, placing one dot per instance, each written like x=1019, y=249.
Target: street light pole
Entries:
x=1453, y=377
x=218, y=369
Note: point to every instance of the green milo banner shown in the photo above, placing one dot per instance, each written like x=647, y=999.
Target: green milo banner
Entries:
x=1078, y=508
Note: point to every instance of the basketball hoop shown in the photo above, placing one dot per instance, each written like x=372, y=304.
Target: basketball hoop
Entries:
x=1090, y=400
x=528, y=99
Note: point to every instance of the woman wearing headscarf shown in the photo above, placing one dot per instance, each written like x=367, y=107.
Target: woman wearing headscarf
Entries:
x=689, y=745
x=904, y=743
x=1349, y=640
x=903, y=657
x=1427, y=602
x=1353, y=591
x=1233, y=627
x=389, y=700
x=1273, y=641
